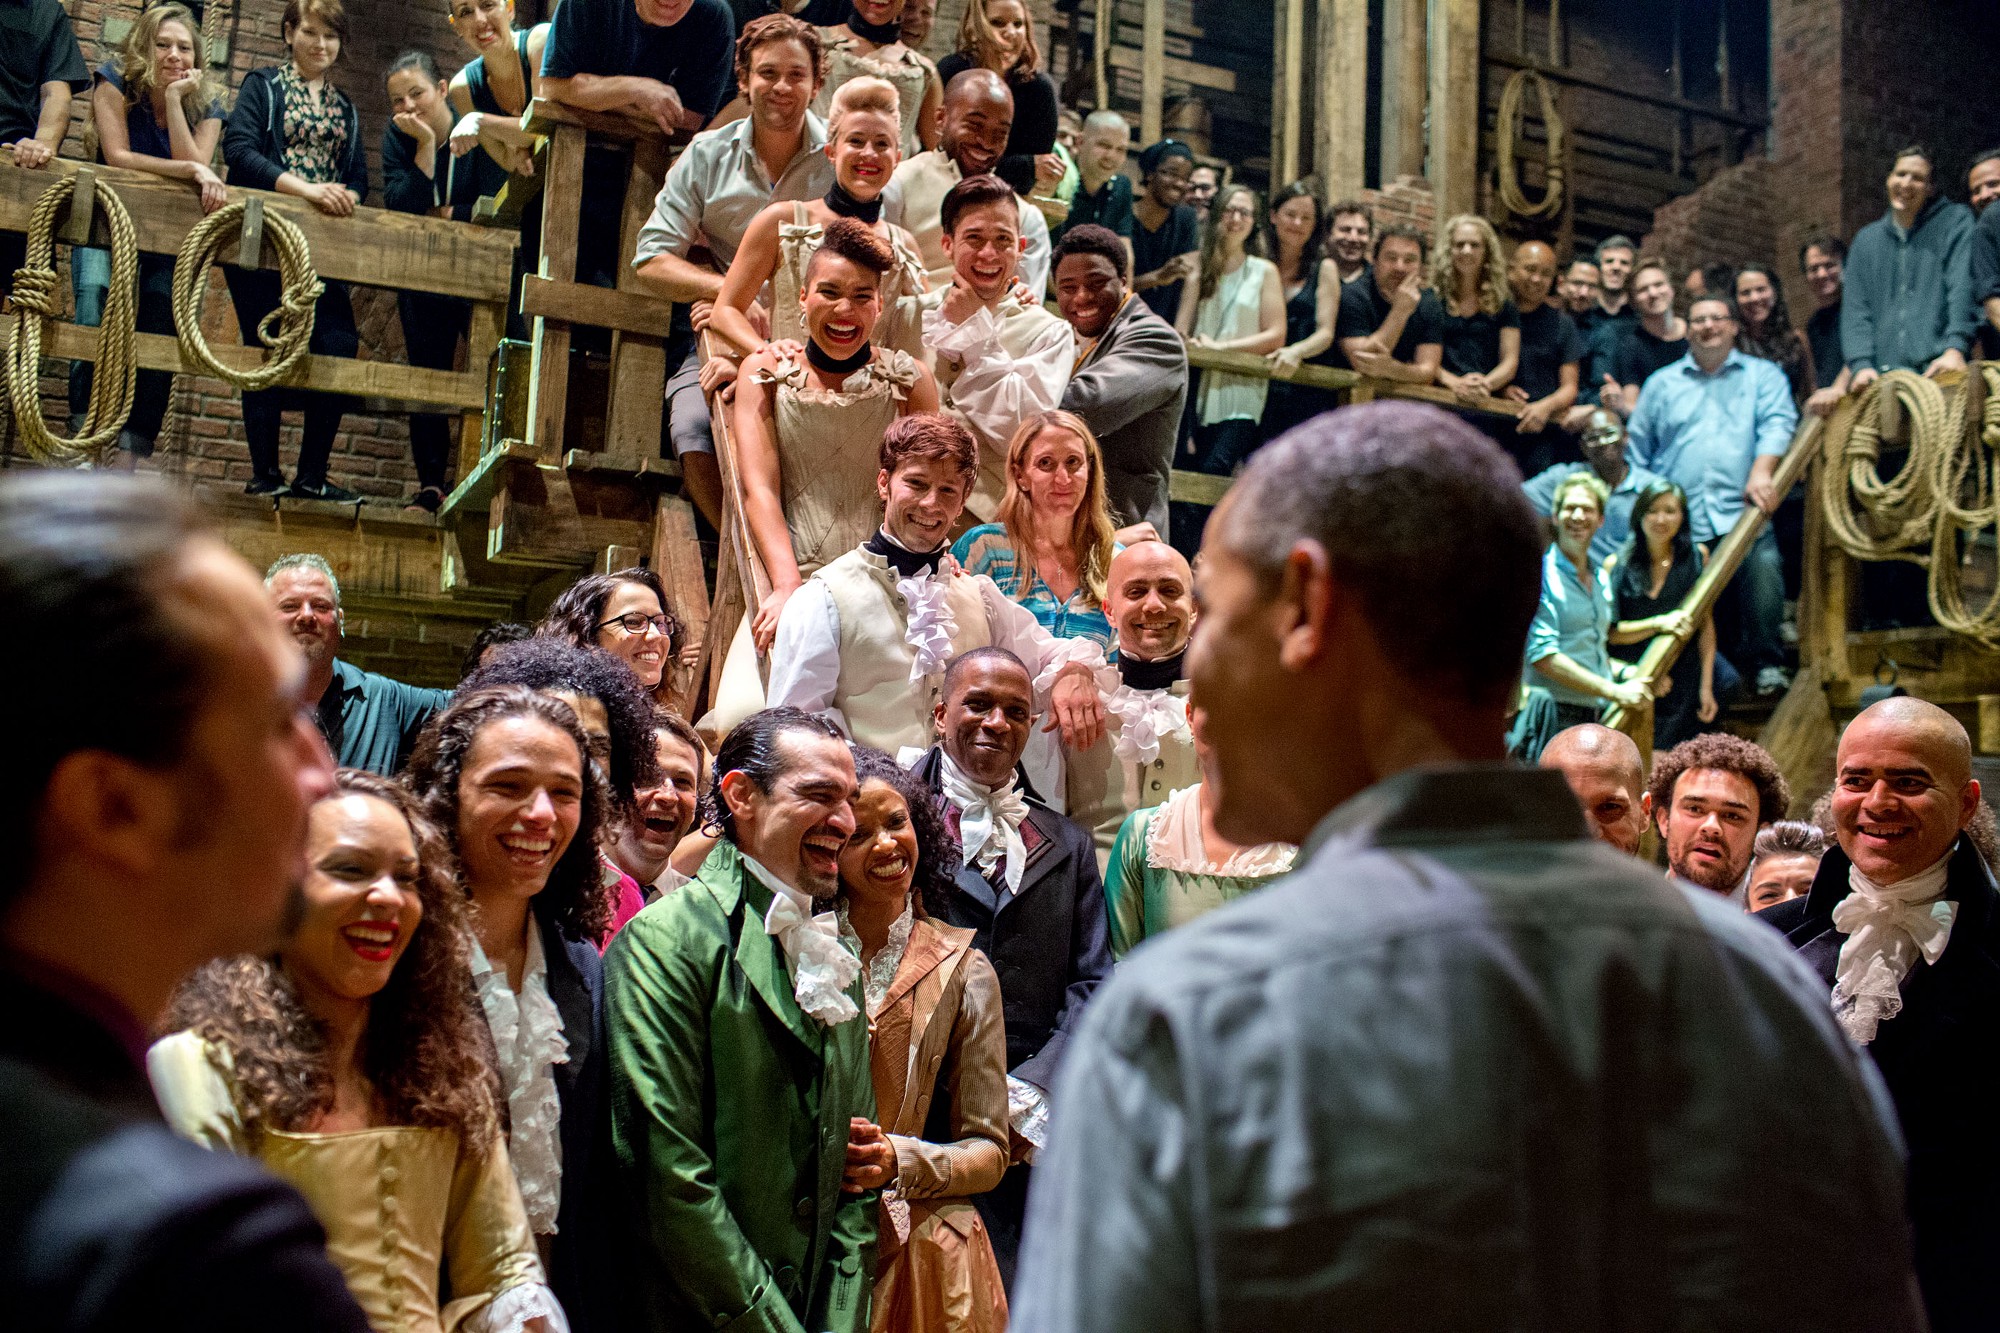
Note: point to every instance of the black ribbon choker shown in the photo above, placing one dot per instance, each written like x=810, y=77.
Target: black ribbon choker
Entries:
x=906, y=563
x=846, y=205
x=1158, y=675
x=827, y=364
x=882, y=34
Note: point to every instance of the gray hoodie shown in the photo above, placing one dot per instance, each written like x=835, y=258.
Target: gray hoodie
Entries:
x=1908, y=295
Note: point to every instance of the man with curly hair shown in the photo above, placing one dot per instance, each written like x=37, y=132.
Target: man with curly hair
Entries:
x=1710, y=795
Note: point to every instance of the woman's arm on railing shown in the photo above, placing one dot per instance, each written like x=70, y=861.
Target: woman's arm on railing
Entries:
x=756, y=259
x=757, y=470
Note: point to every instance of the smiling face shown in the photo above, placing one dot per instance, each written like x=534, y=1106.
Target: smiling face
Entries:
x=1105, y=146
x=304, y=601
x=983, y=722
x=1777, y=879
x=921, y=499
x=1149, y=599
x=483, y=25
x=1662, y=520
x=1823, y=274
x=520, y=799
x=1294, y=220
x=880, y=860
x=799, y=828
x=865, y=151
x=1653, y=293
x=1580, y=287
x=1613, y=268
x=360, y=896
x=1710, y=828
x=841, y=302
x=782, y=84
x=878, y=12
x=1009, y=22
x=1909, y=184
x=411, y=94
x=1089, y=291
x=315, y=47
x=978, y=116
x=1168, y=184
x=1350, y=239
x=1530, y=274
x=1468, y=251
x=173, y=53
x=1578, y=517
x=1755, y=297
x=1236, y=215
x=646, y=651
x=1055, y=475
x=1711, y=328
x=985, y=248
x=664, y=814
x=1984, y=183
x=1901, y=794
x=1202, y=185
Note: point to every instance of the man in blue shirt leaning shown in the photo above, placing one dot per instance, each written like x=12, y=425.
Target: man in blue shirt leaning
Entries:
x=1716, y=422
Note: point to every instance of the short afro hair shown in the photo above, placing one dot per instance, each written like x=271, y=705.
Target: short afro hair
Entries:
x=853, y=240
x=1087, y=238
x=1727, y=754
x=553, y=664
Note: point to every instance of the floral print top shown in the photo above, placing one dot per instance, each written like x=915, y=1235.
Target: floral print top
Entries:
x=315, y=128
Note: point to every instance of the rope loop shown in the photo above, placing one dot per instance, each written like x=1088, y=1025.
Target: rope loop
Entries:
x=35, y=301
x=1512, y=196
x=286, y=331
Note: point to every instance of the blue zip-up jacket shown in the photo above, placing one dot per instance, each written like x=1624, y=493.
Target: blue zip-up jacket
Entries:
x=253, y=143
x=1908, y=295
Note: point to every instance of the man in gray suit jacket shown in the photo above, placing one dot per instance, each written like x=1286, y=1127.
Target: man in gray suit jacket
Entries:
x=1466, y=1068
x=1131, y=378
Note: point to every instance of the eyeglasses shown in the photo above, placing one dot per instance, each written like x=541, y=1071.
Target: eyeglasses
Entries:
x=635, y=622
x=1239, y=211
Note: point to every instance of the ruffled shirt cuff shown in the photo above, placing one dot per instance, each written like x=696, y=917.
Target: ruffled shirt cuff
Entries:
x=967, y=342
x=1058, y=653
x=510, y=1311
x=1028, y=1115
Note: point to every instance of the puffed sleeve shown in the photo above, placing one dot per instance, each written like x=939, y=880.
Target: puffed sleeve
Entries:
x=493, y=1274
x=194, y=1083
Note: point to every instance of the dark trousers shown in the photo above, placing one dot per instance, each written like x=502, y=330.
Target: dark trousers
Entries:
x=1753, y=606
x=256, y=294
x=432, y=326
x=153, y=389
x=1292, y=405
x=1218, y=449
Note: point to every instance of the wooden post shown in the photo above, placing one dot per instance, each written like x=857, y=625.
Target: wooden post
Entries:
x=1403, y=89
x=1152, y=70
x=1288, y=58
x=1339, y=148
x=677, y=560
x=638, y=360
x=548, y=378
x=1454, y=105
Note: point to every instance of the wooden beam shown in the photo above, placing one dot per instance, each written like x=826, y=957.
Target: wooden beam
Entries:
x=1288, y=59
x=1174, y=67
x=1341, y=107
x=536, y=518
x=544, y=116
x=1152, y=71
x=1565, y=75
x=580, y=303
x=548, y=377
x=1404, y=88
x=375, y=247
x=677, y=560
x=408, y=385
x=1454, y=105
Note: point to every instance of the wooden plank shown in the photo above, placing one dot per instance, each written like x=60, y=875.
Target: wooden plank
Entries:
x=374, y=248
x=1152, y=70
x=1175, y=67
x=1341, y=107
x=638, y=394
x=1566, y=75
x=1288, y=94
x=580, y=303
x=677, y=560
x=548, y=392
x=1454, y=105
x=1197, y=487
x=82, y=203
x=546, y=117
x=476, y=487
x=537, y=519
x=250, y=238
x=482, y=344
x=408, y=385
x=650, y=159
x=1405, y=96
x=1249, y=363
x=661, y=470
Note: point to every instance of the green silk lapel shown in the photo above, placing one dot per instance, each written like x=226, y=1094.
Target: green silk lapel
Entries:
x=763, y=961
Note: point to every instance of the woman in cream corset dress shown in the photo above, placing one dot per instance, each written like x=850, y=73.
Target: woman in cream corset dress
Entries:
x=352, y=1065
x=809, y=420
x=870, y=45
x=780, y=241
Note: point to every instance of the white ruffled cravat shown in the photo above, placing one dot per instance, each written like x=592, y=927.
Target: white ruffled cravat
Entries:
x=1145, y=718
x=1888, y=927
x=822, y=967
x=989, y=821
x=528, y=1039
x=930, y=627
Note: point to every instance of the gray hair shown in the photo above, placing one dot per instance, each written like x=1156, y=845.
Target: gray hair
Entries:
x=1789, y=837
x=1422, y=517
x=304, y=560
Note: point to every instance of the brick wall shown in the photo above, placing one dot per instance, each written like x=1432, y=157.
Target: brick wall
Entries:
x=1727, y=220
x=1806, y=132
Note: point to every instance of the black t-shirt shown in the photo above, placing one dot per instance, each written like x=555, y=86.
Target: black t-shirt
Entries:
x=693, y=57
x=37, y=46
x=1637, y=354
x=1823, y=336
x=1472, y=342
x=1363, y=307
x=1596, y=319
x=1178, y=235
x=1110, y=207
x=1549, y=341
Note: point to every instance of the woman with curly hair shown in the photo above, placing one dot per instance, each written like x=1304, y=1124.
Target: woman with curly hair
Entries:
x=1482, y=325
x=505, y=775
x=353, y=1064
x=625, y=613
x=938, y=1053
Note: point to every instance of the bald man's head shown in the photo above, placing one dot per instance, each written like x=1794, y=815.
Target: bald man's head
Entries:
x=1603, y=768
x=978, y=115
x=1903, y=788
x=1532, y=274
x=1149, y=599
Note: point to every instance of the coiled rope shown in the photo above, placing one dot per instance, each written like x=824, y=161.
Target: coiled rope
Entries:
x=35, y=300
x=1509, y=130
x=292, y=334
x=1933, y=510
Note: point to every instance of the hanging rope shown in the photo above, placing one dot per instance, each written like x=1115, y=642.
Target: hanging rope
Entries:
x=1512, y=196
x=35, y=300
x=1968, y=487
x=292, y=333
x=1874, y=519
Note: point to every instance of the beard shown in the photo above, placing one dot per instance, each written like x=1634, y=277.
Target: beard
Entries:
x=1722, y=877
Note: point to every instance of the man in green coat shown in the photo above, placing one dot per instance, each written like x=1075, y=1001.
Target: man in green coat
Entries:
x=739, y=1056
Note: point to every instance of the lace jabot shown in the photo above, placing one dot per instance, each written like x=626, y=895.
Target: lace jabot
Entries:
x=528, y=1036
x=1888, y=928
x=878, y=974
x=822, y=967
x=1173, y=842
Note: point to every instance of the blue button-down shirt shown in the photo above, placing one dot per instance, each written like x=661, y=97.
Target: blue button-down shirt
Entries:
x=1574, y=619
x=1610, y=539
x=1704, y=431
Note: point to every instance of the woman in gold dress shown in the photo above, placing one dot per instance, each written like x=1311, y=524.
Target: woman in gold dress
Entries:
x=938, y=1048
x=353, y=1065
